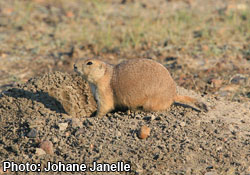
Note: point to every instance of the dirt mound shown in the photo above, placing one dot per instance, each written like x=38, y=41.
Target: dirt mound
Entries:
x=58, y=92
x=56, y=107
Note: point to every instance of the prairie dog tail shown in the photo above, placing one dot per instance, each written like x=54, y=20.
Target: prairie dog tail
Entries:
x=190, y=100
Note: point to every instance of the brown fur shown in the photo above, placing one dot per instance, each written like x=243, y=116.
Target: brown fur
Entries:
x=137, y=83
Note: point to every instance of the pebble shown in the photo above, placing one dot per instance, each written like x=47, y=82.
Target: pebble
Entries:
x=32, y=133
x=144, y=132
x=91, y=146
x=238, y=79
x=149, y=118
x=2, y=172
x=133, y=125
x=128, y=112
x=76, y=123
x=67, y=134
x=137, y=116
x=47, y=146
x=55, y=139
x=153, y=117
x=79, y=132
x=118, y=134
x=183, y=124
x=219, y=148
x=40, y=151
x=63, y=126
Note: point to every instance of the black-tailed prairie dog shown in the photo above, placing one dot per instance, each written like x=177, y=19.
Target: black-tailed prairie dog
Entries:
x=134, y=84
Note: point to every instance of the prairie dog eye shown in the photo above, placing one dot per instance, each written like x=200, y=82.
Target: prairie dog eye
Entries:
x=89, y=63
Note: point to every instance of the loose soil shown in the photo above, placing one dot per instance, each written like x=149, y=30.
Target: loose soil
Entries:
x=203, y=43
x=182, y=140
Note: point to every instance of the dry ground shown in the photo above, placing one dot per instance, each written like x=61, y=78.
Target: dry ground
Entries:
x=204, y=44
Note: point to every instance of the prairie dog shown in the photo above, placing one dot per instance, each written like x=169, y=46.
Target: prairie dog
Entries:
x=133, y=84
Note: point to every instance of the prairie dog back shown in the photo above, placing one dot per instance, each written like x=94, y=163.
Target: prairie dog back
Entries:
x=137, y=82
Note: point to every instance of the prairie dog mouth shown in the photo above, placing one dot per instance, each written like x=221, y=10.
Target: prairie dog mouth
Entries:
x=76, y=70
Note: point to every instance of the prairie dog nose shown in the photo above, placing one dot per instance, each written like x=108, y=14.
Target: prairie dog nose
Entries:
x=75, y=67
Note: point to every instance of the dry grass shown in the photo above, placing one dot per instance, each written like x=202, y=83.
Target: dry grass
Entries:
x=44, y=31
x=53, y=24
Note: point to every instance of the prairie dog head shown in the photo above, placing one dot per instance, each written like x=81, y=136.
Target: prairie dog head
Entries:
x=91, y=69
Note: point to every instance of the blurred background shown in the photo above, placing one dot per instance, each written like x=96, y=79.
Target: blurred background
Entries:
x=204, y=43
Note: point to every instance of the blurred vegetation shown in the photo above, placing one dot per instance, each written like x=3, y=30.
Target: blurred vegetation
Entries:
x=43, y=25
x=205, y=40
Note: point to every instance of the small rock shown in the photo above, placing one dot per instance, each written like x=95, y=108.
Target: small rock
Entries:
x=40, y=151
x=63, y=126
x=137, y=116
x=183, y=124
x=118, y=133
x=32, y=133
x=2, y=172
x=148, y=118
x=242, y=121
x=76, y=123
x=132, y=124
x=79, y=132
x=153, y=117
x=158, y=118
x=128, y=112
x=67, y=134
x=55, y=139
x=144, y=132
x=91, y=146
x=238, y=79
x=210, y=168
x=219, y=148
x=47, y=146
